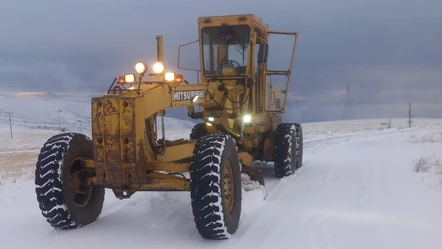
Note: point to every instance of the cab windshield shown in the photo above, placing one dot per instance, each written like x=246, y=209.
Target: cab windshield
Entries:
x=225, y=50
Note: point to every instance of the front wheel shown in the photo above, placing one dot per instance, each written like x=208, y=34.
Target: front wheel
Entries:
x=215, y=187
x=65, y=199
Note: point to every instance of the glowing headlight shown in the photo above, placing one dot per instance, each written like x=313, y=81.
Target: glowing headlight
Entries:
x=140, y=68
x=158, y=67
x=211, y=119
x=247, y=118
x=169, y=76
x=129, y=78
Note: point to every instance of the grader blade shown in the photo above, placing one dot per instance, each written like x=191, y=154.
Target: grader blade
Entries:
x=254, y=174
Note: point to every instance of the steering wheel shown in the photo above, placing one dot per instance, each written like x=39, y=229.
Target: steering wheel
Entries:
x=234, y=62
x=227, y=61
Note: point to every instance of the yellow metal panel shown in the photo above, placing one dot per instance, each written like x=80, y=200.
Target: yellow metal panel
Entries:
x=113, y=129
x=162, y=182
x=97, y=135
x=246, y=159
x=142, y=151
x=177, y=152
x=127, y=142
x=111, y=138
x=169, y=167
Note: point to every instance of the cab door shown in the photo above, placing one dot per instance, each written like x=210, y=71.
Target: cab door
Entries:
x=279, y=63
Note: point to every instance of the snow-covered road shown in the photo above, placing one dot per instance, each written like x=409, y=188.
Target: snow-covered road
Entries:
x=356, y=190
x=359, y=192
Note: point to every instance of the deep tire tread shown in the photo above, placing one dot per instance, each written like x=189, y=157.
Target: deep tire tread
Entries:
x=205, y=185
x=299, y=146
x=288, y=139
x=49, y=181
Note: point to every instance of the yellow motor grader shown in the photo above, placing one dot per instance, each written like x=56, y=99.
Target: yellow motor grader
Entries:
x=241, y=112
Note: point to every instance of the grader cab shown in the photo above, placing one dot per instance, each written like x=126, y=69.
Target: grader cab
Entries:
x=241, y=112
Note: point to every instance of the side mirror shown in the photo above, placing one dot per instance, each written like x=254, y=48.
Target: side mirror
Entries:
x=263, y=53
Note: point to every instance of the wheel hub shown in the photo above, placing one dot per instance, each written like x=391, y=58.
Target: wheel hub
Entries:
x=229, y=193
x=81, y=192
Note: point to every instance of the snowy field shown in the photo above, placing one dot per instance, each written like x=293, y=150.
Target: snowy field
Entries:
x=362, y=186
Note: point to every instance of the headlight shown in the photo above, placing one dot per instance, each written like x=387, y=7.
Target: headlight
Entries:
x=247, y=118
x=140, y=68
x=129, y=78
x=158, y=67
x=169, y=76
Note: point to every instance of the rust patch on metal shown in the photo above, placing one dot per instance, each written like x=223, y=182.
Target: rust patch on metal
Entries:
x=105, y=132
x=97, y=137
x=117, y=161
x=141, y=160
x=127, y=132
x=127, y=142
x=120, y=159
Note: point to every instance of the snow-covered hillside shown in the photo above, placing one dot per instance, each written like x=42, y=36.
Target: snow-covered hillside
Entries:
x=362, y=186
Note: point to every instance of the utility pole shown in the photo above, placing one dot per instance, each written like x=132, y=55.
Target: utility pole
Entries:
x=59, y=119
x=10, y=122
x=409, y=115
x=347, y=105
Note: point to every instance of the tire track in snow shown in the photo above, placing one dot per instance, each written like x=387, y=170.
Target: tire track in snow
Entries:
x=321, y=180
x=18, y=152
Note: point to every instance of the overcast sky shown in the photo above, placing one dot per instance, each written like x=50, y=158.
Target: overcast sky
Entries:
x=389, y=50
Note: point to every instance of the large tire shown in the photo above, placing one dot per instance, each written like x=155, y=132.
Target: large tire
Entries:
x=215, y=174
x=57, y=160
x=287, y=149
x=299, y=145
x=198, y=131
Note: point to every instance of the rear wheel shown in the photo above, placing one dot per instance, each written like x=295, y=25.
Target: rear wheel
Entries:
x=287, y=149
x=65, y=199
x=215, y=187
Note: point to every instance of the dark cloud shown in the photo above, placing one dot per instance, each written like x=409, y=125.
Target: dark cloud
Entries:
x=389, y=51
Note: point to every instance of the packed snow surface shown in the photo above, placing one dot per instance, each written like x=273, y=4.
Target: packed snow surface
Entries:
x=362, y=186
